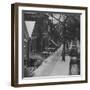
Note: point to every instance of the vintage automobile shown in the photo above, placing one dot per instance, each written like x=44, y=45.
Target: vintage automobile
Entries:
x=74, y=62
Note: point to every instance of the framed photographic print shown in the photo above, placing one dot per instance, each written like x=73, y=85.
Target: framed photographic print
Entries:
x=48, y=44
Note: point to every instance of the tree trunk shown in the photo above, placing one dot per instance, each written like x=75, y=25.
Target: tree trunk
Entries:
x=63, y=55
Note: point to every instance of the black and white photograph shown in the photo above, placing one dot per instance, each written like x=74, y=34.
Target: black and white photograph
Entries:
x=49, y=44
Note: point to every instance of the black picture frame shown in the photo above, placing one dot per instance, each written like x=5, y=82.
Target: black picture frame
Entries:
x=15, y=44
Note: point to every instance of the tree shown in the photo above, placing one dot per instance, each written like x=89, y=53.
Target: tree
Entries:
x=68, y=28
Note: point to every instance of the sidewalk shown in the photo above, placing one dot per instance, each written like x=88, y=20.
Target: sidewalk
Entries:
x=54, y=65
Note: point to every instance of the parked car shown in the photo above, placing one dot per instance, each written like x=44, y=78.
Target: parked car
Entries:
x=74, y=62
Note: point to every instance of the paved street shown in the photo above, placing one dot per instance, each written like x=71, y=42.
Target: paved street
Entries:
x=54, y=65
